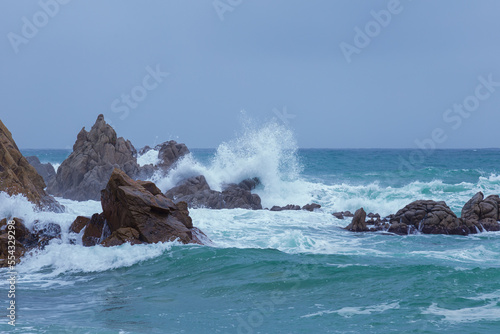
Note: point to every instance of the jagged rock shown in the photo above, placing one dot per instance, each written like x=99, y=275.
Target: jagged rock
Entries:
x=121, y=236
x=170, y=152
x=311, y=207
x=95, y=154
x=78, y=224
x=338, y=215
x=285, y=208
x=144, y=150
x=358, y=223
x=197, y=193
x=93, y=233
x=138, y=205
x=17, y=176
x=46, y=171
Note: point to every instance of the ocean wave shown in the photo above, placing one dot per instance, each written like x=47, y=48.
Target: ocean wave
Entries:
x=488, y=312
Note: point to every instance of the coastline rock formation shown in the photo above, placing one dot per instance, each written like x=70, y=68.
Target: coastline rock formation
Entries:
x=169, y=153
x=136, y=212
x=95, y=154
x=196, y=193
x=431, y=217
x=17, y=176
x=46, y=171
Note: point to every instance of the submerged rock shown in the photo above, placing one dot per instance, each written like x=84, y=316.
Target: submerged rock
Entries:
x=95, y=154
x=137, y=212
x=196, y=193
x=17, y=176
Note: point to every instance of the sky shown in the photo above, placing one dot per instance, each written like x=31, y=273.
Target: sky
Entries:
x=341, y=74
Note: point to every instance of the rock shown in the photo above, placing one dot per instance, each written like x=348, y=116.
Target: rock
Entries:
x=347, y=214
x=311, y=207
x=121, y=236
x=17, y=176
x=78, y=224
x=128, y=204
x=46, y=171
x=431, y=217
x=144, y=150
x=338, y=215
x=478, y=208
x=170, y=152
x=93, y=233
x=249, y=184
x=95, y=154
x=358, y=223
x=197, y=193
x=285, y=208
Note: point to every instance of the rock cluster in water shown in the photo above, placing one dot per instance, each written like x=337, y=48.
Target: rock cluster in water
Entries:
x=479, y=214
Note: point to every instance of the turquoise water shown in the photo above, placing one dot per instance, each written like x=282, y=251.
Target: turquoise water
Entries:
x=281, y=272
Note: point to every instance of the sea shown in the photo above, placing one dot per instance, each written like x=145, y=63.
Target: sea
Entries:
x=275, y=272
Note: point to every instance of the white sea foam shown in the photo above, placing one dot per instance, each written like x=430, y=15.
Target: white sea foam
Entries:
x=150, y=157
x=348, y=312
x=267, y=152
x=489, y=312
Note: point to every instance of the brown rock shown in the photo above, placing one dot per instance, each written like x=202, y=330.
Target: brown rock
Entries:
x=358, y=223
x=156, y=218
x=17, y=176
x=79, y=223
x=94, y=230
x=121, y=236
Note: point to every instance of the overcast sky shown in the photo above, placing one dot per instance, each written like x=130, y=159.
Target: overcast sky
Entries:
x=342, y=74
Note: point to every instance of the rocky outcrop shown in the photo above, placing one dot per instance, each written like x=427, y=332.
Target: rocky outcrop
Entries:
x=358, y=223
x=169, y=153
x=196, y=193
x=137, y=212
x=46, y=170
x=25, y=239
x=431, y=217
x=17, y=176
x=95, y=154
